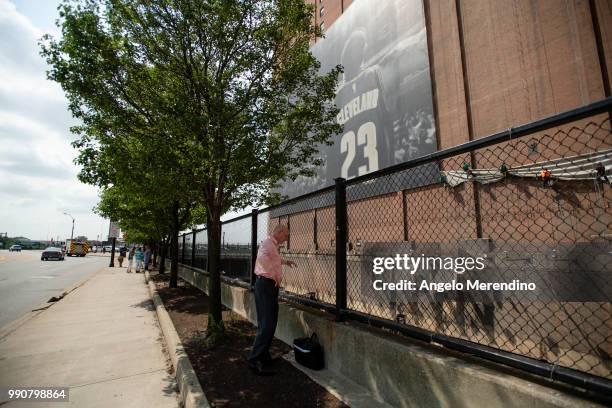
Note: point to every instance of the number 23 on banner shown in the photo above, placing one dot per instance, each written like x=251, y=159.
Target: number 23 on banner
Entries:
x=366, y=135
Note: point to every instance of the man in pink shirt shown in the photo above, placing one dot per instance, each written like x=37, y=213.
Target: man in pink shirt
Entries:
x=268, y=268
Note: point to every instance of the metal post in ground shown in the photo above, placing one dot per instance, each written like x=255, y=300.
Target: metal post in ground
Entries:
x=254, y=214
x=341, y=234
x=112, y=261
x=193, y=247
x=183, y=250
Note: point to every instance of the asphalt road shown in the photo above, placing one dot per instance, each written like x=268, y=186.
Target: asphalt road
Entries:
x=26, y=282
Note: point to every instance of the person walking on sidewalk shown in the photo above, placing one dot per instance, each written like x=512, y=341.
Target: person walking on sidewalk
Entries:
x=139, y=257
x=268, y=268
x=121, y=256
x=130, y=259
x=147, y=257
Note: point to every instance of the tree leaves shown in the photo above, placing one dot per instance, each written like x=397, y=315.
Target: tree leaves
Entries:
x=190, y=101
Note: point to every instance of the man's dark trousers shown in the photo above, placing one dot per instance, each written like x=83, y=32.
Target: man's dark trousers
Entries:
x=266, y=303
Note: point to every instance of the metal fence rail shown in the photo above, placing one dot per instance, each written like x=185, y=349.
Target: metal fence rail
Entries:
x=533, y=203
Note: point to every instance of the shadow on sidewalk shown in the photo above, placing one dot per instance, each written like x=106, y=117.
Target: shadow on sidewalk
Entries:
x=145, y=304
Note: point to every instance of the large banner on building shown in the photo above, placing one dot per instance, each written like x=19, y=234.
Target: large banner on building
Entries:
x=384, y=95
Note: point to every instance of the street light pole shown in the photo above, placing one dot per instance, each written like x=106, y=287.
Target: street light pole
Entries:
x=72, y=233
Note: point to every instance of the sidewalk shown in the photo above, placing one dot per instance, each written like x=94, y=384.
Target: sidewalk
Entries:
x=101, y=340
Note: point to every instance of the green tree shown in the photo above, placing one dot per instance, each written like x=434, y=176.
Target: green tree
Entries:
x=228, y=87
x=147, y=194
x=146, y=218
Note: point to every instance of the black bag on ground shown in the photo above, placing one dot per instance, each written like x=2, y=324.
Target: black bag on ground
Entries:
x=308, y=352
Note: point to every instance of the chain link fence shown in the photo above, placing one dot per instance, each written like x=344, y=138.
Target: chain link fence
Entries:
x=311, y=245
x=533, y=211
x=528, y=206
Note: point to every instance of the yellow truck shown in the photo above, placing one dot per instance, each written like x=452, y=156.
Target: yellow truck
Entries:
x=77, y=248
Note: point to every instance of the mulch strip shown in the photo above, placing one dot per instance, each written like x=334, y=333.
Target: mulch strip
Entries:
x=223, y=371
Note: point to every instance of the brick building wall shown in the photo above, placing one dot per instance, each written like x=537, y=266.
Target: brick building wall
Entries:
x=328, y=11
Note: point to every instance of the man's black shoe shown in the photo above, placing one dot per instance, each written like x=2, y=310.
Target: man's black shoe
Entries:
x=259, y=368
x=271, y=362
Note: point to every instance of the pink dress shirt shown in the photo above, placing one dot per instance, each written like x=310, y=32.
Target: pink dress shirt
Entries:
x=268, y=263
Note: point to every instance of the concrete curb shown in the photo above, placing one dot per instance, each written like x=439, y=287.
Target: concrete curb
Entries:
x=191, y=393
x=66, y=292
x=15, y=324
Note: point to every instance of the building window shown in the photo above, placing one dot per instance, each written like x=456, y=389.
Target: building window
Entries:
x=321, y=11
x=322, y=26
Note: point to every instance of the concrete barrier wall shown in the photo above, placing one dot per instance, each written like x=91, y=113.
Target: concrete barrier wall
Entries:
x=396, y=370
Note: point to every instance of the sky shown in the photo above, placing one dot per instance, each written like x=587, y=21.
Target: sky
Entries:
x=38, y=180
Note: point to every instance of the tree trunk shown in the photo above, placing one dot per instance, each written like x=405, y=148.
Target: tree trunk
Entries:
x=162, y=261
x=213, y=224
x=174, y=247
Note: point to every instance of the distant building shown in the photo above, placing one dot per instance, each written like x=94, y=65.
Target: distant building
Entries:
x=27, y=243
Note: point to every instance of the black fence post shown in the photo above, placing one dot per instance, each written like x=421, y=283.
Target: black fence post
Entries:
x=183, y=250
x=341, y=234
x=193, y=247
x=254, y=214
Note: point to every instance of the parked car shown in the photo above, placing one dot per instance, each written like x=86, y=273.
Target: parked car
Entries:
x=52, y=253
x=15, y=248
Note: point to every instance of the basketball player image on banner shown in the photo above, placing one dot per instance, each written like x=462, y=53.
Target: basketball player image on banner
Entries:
x=360, y=99
x=384, y=95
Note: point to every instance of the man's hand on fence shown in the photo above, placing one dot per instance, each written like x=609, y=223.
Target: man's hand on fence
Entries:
x=290, y=264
